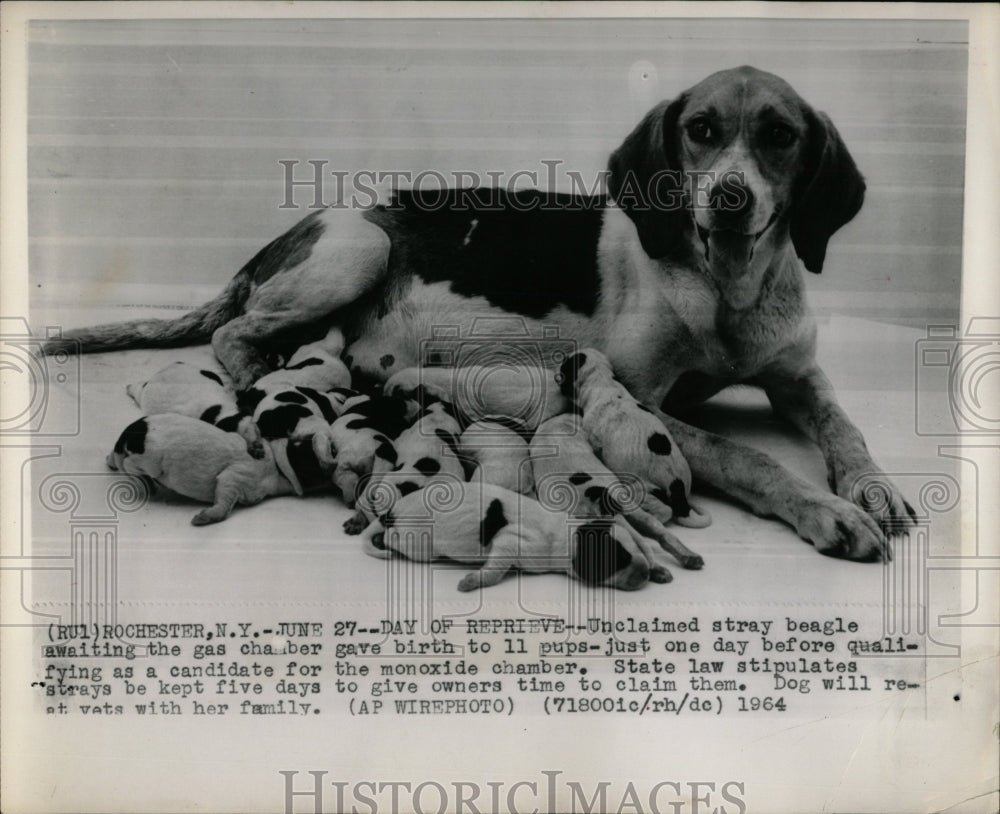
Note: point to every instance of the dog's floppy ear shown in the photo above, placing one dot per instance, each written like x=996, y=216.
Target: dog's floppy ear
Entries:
x=644, y=178
x=830, y=191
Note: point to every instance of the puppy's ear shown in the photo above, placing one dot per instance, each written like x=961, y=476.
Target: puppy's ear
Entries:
x=568, y=372
x=644, y=178
x=598, y=554
x=247, y=400
x=830, y=191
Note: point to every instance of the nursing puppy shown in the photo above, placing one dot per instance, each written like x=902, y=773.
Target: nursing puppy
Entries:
x=191, y=390
x=363, y=434
x=498, y=449
x=316, y=365
x=204, y=463
x=424, y=451
x=627, y=436
x=295, y=412
x=528, y=394
x=498, y=530
x=562, y=459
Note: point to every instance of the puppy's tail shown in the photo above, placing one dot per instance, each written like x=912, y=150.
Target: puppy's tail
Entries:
x=195, y=327
x=694, y=519
x=685, y=513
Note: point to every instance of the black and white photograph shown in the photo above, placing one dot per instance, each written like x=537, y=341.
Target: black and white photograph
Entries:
x=500, y=408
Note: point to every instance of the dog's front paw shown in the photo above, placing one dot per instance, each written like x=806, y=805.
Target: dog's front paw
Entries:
x=660, y=574
x=838, y=528
x=874, y=493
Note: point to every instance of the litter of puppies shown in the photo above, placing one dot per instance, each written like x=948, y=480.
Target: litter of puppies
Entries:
x=573, y=476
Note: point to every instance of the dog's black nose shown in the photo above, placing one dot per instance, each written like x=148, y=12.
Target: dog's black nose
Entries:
x=730, y=199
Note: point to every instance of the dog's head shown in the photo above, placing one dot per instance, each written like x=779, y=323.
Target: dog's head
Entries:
x=734, y=167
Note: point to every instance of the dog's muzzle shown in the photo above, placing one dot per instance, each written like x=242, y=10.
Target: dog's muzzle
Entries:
x=728, y=252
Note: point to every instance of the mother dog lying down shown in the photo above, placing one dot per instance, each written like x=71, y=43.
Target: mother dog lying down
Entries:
x=684, y=300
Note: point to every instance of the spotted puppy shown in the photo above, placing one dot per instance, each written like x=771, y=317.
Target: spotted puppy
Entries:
x=424, y=451
x=296, y=412
x=197, y=392
x=498, y=530
x=627, y=436
x=562, y=459
x=525, y=393
x=316, y=365
x=204, y=463
x=362, y=434
x=498, y=451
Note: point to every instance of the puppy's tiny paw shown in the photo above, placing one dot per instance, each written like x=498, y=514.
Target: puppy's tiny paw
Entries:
x=205, y=517
x=355, y=525
x=256, y=449
x=469, y=582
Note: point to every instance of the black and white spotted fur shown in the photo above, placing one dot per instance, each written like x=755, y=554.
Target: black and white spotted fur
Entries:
x=316, y=365
x=422, y=452
x=499, y=530
x=194, y=391
x=684, y=296
x=562, y=459
x=628, y=437
x=362, y=435
x=202, y=462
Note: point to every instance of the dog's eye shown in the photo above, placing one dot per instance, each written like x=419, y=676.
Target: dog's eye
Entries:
x=780, y=135
x=700, y=131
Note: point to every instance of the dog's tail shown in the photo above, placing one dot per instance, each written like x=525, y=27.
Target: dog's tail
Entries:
x=195, y=327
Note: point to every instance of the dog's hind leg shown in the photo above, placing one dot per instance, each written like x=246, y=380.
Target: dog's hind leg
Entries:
x=347, y=260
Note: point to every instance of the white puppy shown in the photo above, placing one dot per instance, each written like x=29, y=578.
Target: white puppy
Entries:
x=424, y=451
x=563, y=461
x=296, y=412
x=202, y=462
x=364, y=433
x=194, y=391
x=498, y=530
x=499, y=449
x=316, y=365
x=627, y=436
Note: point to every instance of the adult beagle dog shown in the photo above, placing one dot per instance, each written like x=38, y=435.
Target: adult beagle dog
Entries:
x=686, y=276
